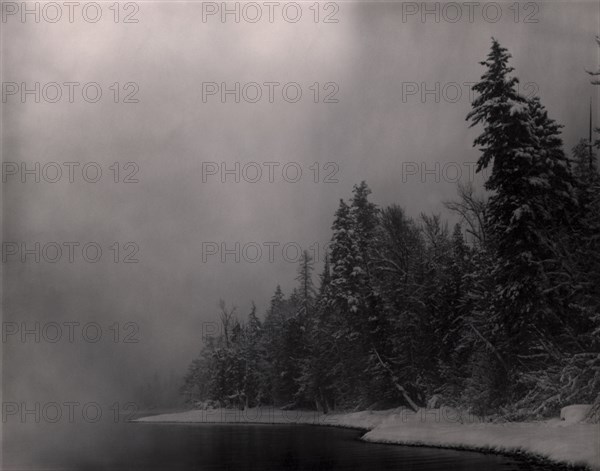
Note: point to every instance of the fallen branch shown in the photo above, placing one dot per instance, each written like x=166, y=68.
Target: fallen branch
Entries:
x=399, y=387
x=488, y=343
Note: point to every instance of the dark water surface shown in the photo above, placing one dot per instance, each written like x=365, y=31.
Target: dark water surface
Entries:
x=140, y=446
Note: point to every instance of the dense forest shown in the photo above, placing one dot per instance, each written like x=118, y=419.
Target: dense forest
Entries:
x=499, y=314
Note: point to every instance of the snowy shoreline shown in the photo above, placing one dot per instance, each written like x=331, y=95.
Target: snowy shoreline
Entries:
x=554, y=441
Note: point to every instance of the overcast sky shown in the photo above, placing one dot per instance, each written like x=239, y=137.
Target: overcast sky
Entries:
x=374, y=132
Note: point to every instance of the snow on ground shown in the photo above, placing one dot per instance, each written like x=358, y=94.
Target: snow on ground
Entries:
x=575, y=413
x=560, y=441
x=576, y=444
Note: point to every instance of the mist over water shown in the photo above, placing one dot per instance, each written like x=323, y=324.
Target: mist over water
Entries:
x=152, y=313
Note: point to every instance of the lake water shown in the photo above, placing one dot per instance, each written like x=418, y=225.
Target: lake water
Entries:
x=203, y=447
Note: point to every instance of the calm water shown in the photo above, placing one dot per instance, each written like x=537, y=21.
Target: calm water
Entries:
x=130, y=446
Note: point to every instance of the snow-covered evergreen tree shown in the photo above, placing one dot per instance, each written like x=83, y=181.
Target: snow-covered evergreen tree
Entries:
x=528, y=219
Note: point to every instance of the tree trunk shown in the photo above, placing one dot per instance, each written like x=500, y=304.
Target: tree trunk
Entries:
x=594, y=413
x=398, y=386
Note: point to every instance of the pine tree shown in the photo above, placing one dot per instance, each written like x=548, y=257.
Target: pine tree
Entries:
x=253, y=359
x=343, y=303
x=274, y=344
x=451, y=353
x=371, y=320
x=343, y=260
x=579, y=379
x=315, y=381
x=351, y=293
x=398, y=255
x=497, y=107
x=306, y=284
x=528, y=213
x=507, y=143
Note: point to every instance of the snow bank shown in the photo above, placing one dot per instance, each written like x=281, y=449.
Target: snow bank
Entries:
x=556, y=440
x=575, y=413
x=575, y=444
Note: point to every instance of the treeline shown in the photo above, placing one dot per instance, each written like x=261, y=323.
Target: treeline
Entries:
x=500, y=314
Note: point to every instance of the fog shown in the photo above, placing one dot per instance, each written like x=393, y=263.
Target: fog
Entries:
x=175, y=211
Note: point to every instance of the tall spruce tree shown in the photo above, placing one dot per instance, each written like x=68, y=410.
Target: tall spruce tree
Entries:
x=532, y=196
x=306, y=287
x=344, y=305
x=314, y=382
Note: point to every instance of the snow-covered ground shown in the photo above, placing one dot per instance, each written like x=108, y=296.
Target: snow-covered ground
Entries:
x=556, y=440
